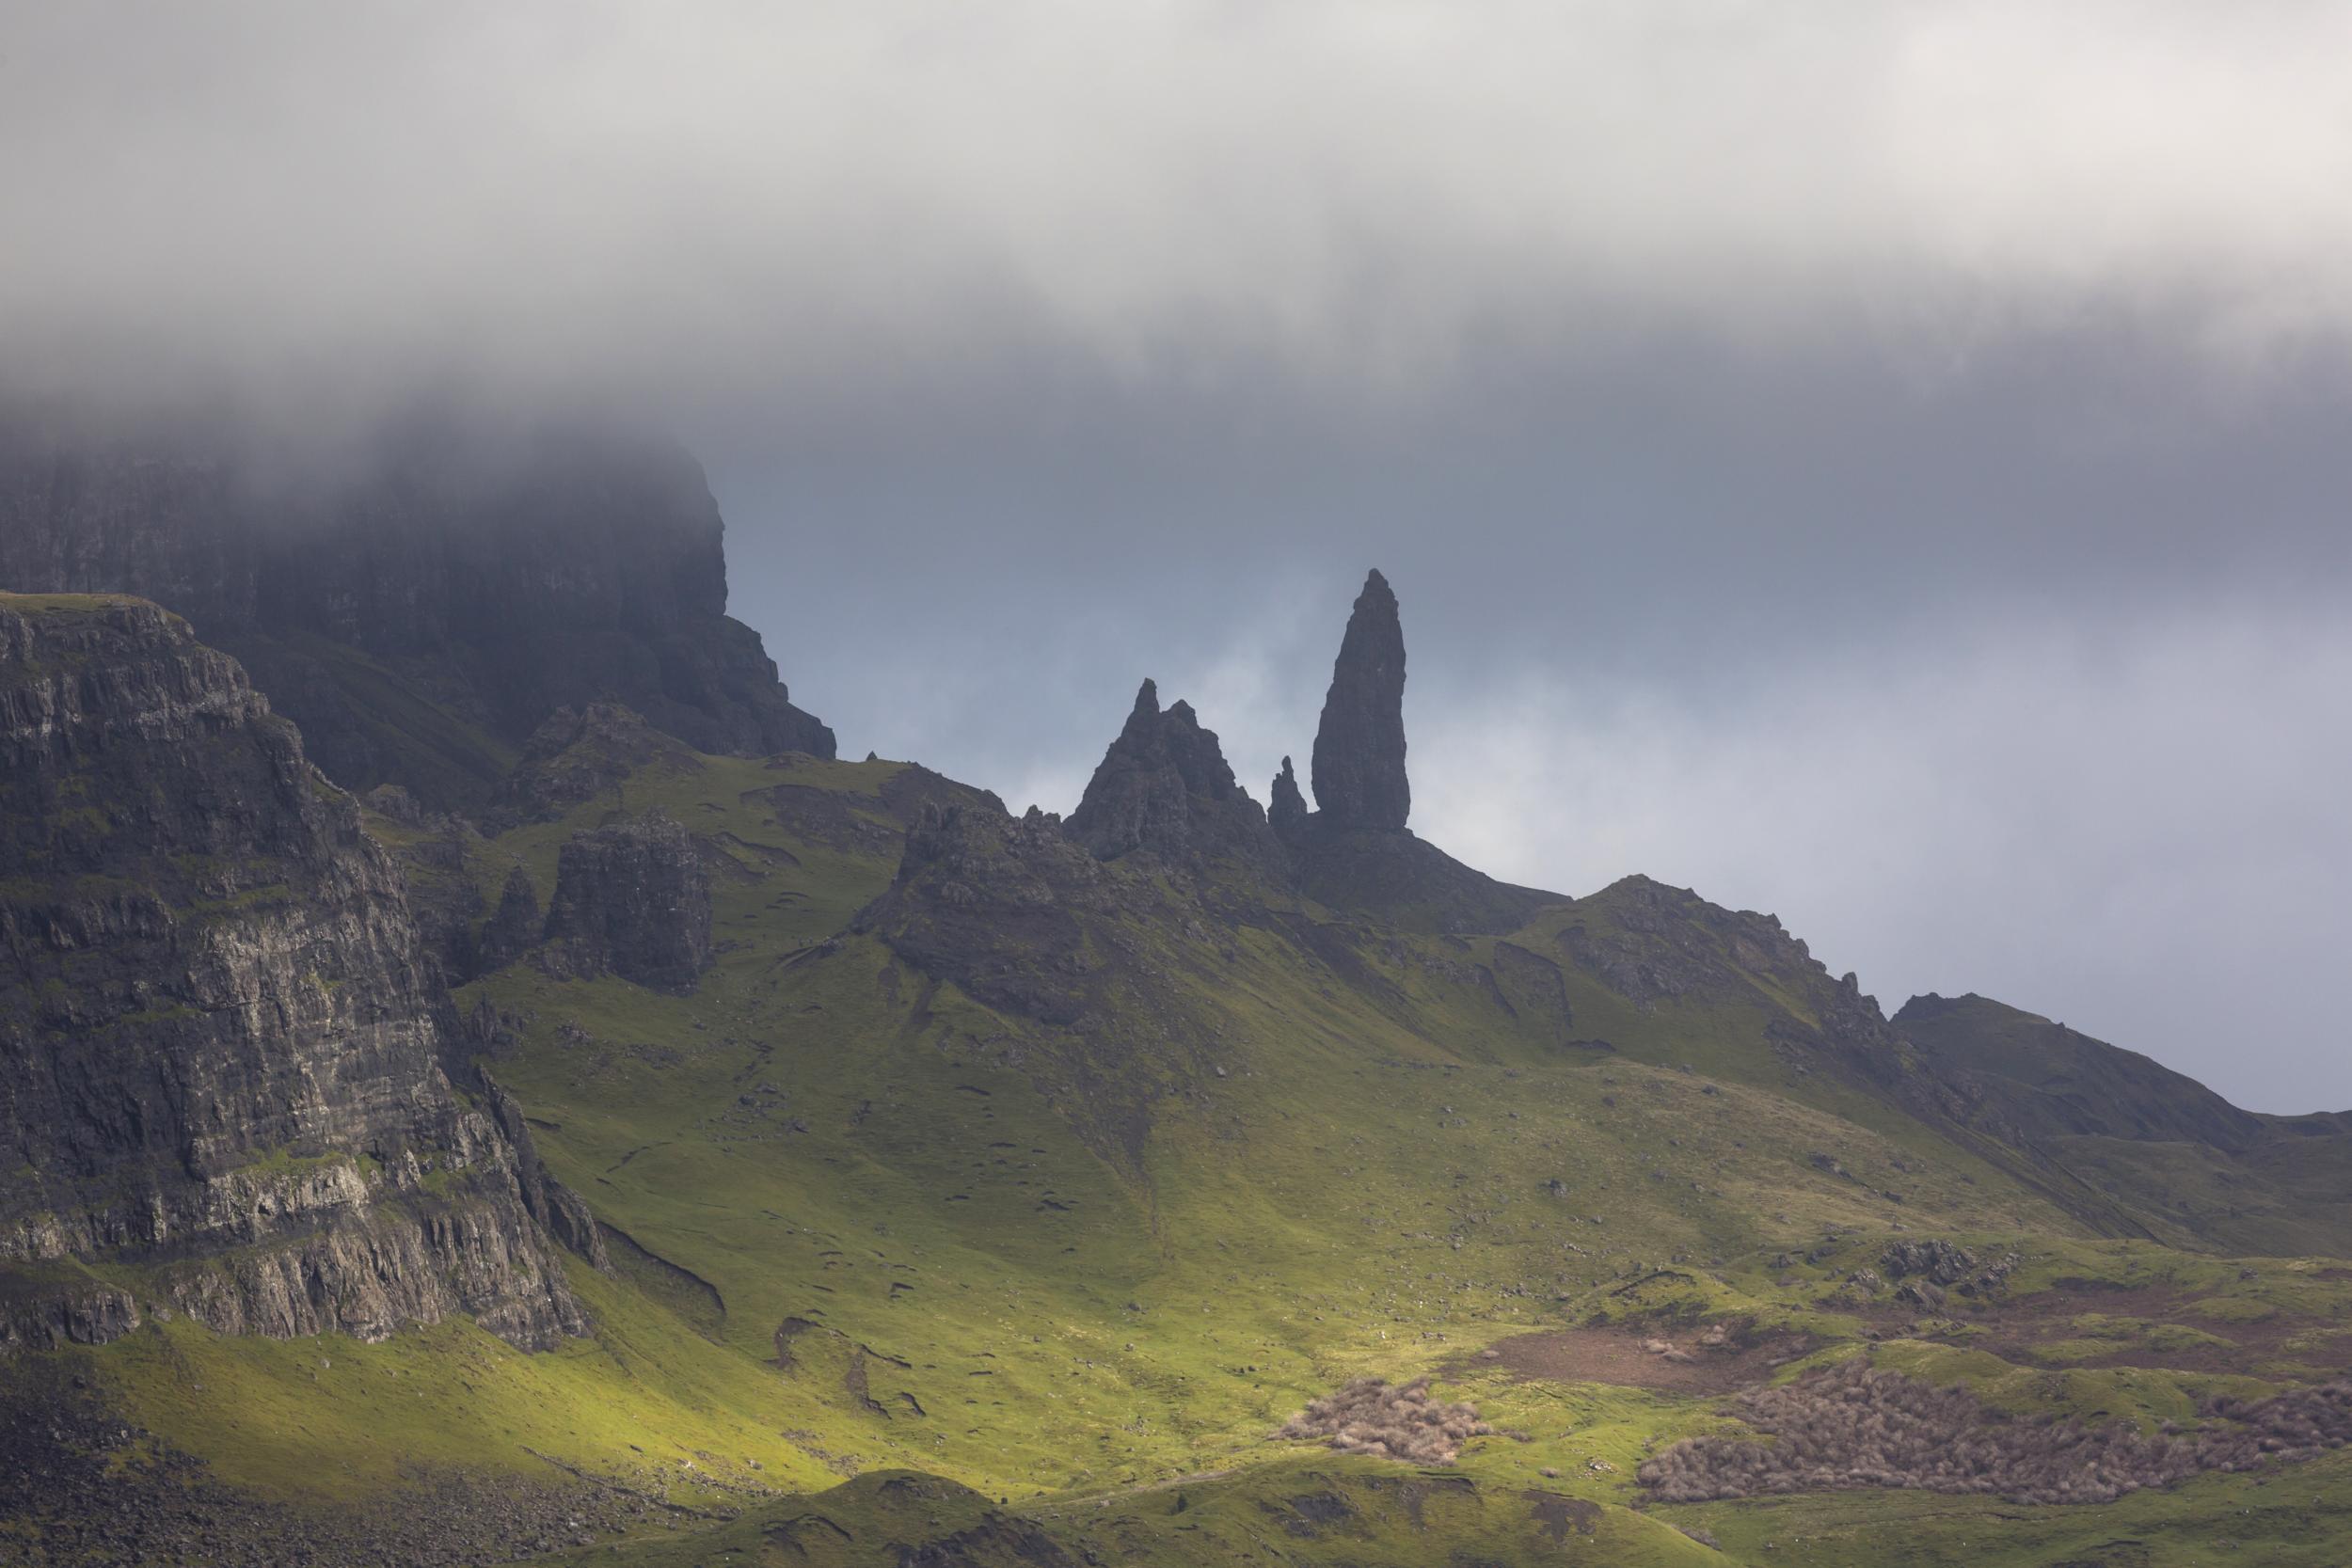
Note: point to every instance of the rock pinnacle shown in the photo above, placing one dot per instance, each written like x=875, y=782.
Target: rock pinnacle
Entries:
x=1360, y=748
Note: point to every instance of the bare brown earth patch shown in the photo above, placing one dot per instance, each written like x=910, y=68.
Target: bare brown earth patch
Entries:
x=1629, y=1358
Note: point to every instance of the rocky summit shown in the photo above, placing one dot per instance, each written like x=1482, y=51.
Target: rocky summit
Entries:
x=645, y=1139
x=1164, y=785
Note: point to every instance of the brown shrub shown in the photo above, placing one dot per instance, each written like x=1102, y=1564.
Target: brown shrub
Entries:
x=1372, y=1416
x=1850, y=1426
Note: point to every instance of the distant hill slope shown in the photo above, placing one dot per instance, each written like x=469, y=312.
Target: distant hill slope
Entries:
x=2186, y=1162
x=420, y=604
x=2054, y=1082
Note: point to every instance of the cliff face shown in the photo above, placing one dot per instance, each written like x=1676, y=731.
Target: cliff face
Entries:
x=422, y=613
x=219, y=1039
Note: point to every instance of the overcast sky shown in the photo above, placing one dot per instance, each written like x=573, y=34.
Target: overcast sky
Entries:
x=1884, y=463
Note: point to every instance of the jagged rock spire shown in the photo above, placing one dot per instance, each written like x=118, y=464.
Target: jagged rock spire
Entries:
x=1286, y=809
x=1360, y=748
x=1164, y=784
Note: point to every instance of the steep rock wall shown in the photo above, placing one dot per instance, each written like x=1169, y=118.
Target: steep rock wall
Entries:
x=421, y=608
x=219, y=1039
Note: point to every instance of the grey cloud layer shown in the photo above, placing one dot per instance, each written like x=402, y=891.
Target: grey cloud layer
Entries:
x=717, y=202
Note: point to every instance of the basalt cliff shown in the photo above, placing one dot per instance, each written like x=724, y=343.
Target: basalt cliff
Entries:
x=420, y=605
x=221, y=1083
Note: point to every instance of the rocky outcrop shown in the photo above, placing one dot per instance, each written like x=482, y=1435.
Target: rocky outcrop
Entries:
x=219, y=1034
x=562, y=1211
x=583, y=754
x=514, y=927
x=1650, y=943
x=1360, y=747
x=433, y=850
x=1104, y=963
x=422, y=607
x=1164, y=785
x=999, y=906
x=1660, y=945
x=41, y=1309
x=632, y=900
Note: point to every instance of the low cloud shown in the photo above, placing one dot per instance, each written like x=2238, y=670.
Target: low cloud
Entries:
x=802, y=202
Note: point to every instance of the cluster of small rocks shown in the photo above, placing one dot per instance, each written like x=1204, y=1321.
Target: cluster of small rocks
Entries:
x=1928, y=1269
x=1373, y=1417
x=1856, y=1426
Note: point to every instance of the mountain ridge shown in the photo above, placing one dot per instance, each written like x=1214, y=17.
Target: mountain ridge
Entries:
x=898, y=1154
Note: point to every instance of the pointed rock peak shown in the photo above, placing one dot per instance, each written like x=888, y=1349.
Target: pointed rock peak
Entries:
x=1141, y=733
x=1286, y=809
x=1199, y=759
x=1360, y=748
x=1161, y=773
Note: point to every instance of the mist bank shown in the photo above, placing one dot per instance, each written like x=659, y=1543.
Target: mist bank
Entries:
x=1352, y=198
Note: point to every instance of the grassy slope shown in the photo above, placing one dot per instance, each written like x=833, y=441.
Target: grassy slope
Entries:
x=818, y=1135
x=61, y=604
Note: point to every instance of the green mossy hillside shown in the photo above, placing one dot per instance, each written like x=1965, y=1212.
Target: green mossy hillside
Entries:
x=1025, y=1260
